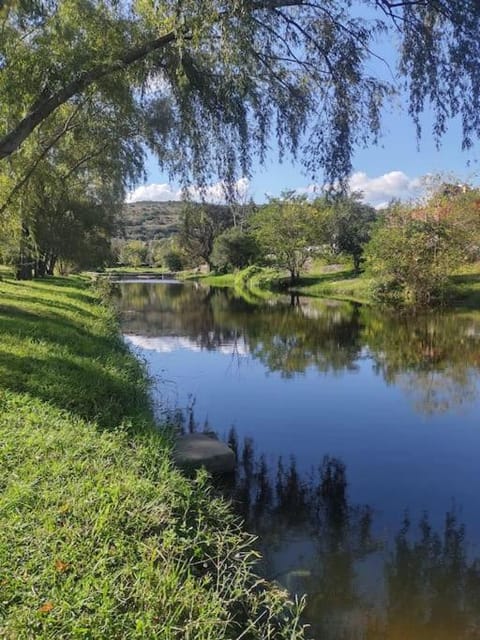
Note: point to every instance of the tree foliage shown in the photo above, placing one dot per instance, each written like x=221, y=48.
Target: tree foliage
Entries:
x=64, y=193
x=349, y=224
x=235, y=248
x=416, y=248
x=84, y=86
x=288, y=229
x=201, y=225
x=213, y=81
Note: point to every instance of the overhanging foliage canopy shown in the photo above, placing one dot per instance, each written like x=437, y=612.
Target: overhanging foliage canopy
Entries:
x=213, y=81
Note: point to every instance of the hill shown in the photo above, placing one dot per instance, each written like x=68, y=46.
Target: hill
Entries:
x=148, y=220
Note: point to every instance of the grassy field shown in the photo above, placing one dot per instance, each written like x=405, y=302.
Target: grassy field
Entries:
x=338, y=281
x=320, y=281
x=135, y=270
x=100, y=536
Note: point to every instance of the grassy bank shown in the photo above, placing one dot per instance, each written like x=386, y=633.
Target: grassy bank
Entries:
x=320, y=281
x=338, y=281
x=101, y=536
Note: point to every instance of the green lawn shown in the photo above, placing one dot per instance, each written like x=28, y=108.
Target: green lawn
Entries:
x=338, y=281
x=343, y=283
x=135, y=270
x=100, y=536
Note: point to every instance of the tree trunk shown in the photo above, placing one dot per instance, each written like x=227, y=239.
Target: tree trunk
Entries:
x=24, y=268
x=356, y=262
x=25, y=263
x=51, y=265
x=40, y=266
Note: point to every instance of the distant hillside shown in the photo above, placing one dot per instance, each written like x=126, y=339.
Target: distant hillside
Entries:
x=150, y=220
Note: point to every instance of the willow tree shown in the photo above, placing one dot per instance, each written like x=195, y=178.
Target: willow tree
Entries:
x=215, y=80
x=60, y=195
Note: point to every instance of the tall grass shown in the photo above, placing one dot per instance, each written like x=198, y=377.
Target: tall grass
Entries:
x=100, y=536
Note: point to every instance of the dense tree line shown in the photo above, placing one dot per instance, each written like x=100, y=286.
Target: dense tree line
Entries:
x=86, y=87
x=411, y=250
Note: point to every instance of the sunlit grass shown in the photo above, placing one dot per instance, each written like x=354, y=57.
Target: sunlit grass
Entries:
x=340, y=281
x=100, y=536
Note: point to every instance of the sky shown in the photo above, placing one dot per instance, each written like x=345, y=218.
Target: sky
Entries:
x=392, y=169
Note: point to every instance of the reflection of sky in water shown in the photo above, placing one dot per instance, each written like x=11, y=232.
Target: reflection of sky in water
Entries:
x=167, y=344
x=399, y=408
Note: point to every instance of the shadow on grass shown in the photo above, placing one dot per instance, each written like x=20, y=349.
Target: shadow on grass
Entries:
x=308, y=280
x=465, y=291
x=64, y=355
x=466, y=278
x=54, y=307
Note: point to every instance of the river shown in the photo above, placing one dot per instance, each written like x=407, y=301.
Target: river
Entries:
x=358, y=438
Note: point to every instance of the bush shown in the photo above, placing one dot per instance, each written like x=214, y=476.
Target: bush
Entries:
x=234, y=249
x=173, y=261
x=413, y=253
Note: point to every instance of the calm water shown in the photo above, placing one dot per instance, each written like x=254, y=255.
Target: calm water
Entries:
x=358, y=437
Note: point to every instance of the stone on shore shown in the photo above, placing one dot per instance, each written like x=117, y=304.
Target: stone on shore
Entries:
x=197, y=450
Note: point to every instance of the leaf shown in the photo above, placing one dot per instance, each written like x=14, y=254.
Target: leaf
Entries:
x=61, y=566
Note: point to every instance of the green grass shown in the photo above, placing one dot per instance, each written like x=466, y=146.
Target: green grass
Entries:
x=339, y=281
x=465, y=287
x=252, y=283
x=214, y=280
x=5, y=271
x=101, y=537
x=258, y=282
x=135, y=270
x=344, y=284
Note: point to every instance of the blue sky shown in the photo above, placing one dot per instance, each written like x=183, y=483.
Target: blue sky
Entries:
x=392, y=169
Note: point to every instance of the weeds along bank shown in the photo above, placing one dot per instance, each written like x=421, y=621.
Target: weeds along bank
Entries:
x=101, y=537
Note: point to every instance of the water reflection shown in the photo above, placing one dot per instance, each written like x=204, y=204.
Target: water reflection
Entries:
x=377, y=394
x=315, y=541
x=422, y=585
x=433, y=588
x=311, y=537
x=433, y=358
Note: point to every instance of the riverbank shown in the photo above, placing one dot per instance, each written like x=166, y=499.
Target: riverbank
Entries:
x=101, y=536
x=337, y=281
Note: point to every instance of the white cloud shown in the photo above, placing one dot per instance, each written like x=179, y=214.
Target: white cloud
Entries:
x=157, y=192
x=168, y=344
x=379, y=190
x=161, y=192
x=216, y=192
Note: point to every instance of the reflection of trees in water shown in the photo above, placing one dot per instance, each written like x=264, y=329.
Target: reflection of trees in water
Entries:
x=291, y=341
x=173, y=310
x=438, y=392
x=434, y=357
x=286, y=338
x=431, y=587
x=282, y=507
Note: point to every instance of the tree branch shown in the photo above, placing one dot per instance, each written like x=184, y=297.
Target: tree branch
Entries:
x=44, y=106
x=66, y=127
